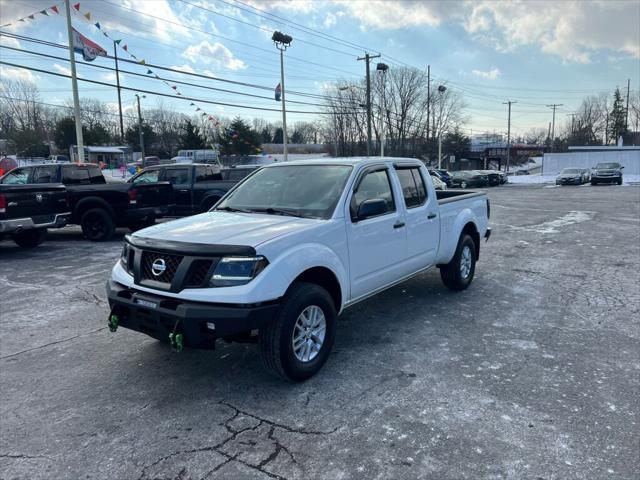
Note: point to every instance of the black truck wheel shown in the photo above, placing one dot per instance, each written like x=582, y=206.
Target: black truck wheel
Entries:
x=30, y=238
x=297, y=343
x=97, y=225
x=458, y=273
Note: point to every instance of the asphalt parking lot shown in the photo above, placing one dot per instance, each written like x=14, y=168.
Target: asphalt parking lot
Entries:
x=534, y=372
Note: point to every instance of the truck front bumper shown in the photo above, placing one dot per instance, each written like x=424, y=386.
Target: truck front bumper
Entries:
x=15, y=225
x=199, y=323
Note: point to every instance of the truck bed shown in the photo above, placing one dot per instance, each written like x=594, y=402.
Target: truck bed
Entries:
x=448, y=196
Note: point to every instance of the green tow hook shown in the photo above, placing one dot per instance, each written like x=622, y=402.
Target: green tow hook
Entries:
x=177, y=341
x=113, y=322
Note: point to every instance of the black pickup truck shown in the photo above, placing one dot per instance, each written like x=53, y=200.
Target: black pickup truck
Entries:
x=196, y=187
x=97, y=206
x=26, y=211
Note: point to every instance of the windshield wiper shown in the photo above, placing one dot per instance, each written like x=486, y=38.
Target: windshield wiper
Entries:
x=233, y=209
x=279, y=211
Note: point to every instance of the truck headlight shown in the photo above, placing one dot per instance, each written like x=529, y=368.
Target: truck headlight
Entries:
x=233, y=271
x=125, y=258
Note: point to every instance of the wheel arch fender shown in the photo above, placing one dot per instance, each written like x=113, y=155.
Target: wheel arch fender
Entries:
x=465, y=222
x=210, y=198
x=89, y=203
x=313, y=263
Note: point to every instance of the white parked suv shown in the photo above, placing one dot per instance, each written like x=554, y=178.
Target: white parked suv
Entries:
x=285, y=251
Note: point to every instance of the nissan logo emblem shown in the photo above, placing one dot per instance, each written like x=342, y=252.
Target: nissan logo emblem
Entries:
x=158, y=267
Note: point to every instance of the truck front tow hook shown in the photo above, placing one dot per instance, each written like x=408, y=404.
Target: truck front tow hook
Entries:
x=113, y=322
x=177, y=342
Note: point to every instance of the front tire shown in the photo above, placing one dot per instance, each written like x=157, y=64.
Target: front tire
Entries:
x=97, y=225
x=620, y=181
x=30, y=238
x=593, y=183
x=458, y=273
x=297, y=343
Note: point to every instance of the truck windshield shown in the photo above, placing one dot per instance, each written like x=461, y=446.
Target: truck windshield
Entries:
x=300, y=190
x=607, y=165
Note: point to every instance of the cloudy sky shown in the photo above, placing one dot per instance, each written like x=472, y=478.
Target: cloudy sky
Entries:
x=532, y=52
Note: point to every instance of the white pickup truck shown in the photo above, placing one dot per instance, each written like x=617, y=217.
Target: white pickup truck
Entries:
x=279, y=257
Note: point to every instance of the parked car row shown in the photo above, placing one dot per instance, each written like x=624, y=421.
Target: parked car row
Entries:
x=99, y=207
x=602, y=173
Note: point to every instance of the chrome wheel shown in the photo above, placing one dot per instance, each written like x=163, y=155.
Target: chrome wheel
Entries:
x=465, y=262
x=308, y=333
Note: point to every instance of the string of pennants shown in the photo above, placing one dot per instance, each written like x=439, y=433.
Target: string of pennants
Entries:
x=46, y=12
x=215, y=122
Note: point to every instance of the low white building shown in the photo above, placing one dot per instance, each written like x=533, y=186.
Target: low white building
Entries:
x=588, y=157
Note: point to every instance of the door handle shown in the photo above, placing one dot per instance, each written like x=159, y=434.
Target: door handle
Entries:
x=183, y=191
x=398, y=225
x=432, y=215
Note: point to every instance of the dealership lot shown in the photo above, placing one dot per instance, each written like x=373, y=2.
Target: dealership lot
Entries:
x=534, y=372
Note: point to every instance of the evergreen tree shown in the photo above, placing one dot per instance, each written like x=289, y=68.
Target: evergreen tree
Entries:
x=617, y=117
x=240, y=139
x=132, y=136
x=190, y=138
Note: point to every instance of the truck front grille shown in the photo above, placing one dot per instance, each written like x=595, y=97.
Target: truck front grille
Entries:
x=171, y=264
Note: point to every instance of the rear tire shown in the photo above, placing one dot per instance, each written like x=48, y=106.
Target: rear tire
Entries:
x=30, y=238
x=283, y=347
x=593, y=183
x=620, y=182
x=458, y=273
x=97, y=225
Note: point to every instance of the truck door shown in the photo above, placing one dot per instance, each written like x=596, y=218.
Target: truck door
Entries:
x=377, y=245
x=182, y=188
x=421, y=217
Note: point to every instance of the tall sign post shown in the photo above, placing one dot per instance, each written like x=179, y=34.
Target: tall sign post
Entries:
x=74, y=86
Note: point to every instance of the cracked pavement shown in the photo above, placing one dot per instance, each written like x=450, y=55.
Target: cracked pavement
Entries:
x=534, y=372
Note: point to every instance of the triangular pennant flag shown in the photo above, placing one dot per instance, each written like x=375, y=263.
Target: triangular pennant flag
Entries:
x=21, y=20
x=178, y=93
x=149, y=72
x=157, y=76
x=142, y=62
x=204, y=114
x=32, y=17
x=77, y=6
x=125, y=48
x=192, y=104
x=198, y=109
x=118, y=41
x=174, y=87
x=88, y=16
x=105, y=34
x=44, y=12
x=55, y=9
x=97, y=24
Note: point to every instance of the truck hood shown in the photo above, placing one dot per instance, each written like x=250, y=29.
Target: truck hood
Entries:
x=227, y=228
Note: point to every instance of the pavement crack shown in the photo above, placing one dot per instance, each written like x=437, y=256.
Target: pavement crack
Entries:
x=52, y=343
x=21, y=455
x=97, y=300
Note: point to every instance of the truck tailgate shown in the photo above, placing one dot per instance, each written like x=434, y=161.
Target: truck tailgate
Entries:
x=37, y=201
x=153, y=194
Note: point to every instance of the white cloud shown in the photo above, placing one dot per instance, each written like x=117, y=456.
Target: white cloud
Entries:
x=18, y=74
x=60, y=69
x=398, y=14
x=213, y=53
x=488, y=74
x=184, y=68
x=292, y=6
x=109, y=77
x=9, y=42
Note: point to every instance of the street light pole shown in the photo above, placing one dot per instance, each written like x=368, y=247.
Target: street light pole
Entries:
x=441, y=90
x=281, y=42
x=140, y=130
x=509, y=102
x=382, y=68
x=115, y=56
x=74, y=86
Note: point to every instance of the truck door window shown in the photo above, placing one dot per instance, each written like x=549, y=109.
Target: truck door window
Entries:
x=45, y=174
x=75, y=176
x=413, y=189
x=206, y=174
x=96, y=176
x=19, y=176
x=374, y=185
x=150, y=176
x=176, y=176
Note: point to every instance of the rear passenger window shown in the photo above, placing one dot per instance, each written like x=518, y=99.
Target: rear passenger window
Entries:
x=74, y=176
x=374, y=185
x=207, y=174
x=176, y=176
x=19, y=176
x=45, y=174
x=413, y=188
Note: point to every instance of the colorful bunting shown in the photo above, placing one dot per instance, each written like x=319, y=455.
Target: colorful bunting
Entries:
x=44, y=12
x=55, y=9
x=88, y=16
x=31, y=17
x=118, y=41
x=77, y=6
x=142, y=62
x=97, y=24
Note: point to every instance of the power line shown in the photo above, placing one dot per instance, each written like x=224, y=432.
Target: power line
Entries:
x=150, y=92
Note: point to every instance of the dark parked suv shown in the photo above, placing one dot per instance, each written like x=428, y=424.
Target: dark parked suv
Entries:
x=607, y=173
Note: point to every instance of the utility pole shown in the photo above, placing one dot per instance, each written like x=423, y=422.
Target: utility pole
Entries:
x=428, y=101
x=367, y=59
x=553, y=122
x=626, y=120
x=382, y=68
x=115, y=56
x=508, y=102
x=140, y=131
x=74, y=86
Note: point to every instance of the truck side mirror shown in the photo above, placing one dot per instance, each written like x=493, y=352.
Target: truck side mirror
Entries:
x=621, y=167
x=371, y=208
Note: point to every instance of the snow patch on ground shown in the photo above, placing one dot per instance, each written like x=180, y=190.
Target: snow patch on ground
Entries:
x=541, y=179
